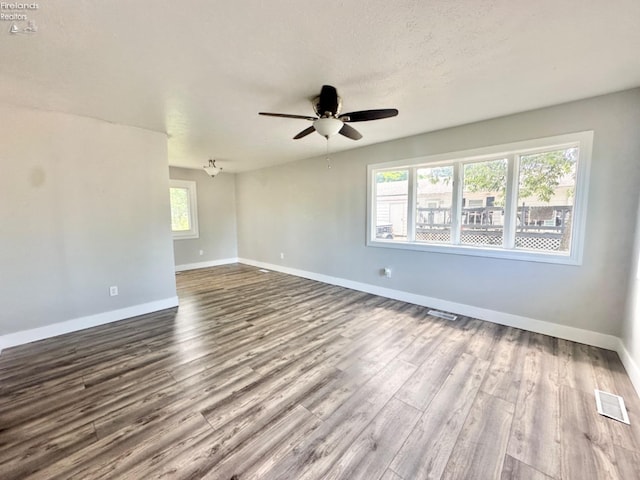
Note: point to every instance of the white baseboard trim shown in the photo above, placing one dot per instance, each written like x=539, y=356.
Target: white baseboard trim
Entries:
x=28, y=336
x=630, y=365
x=212, y=263
x=588, y=337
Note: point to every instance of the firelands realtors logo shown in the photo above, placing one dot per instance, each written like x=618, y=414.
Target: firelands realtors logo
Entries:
x=19, y=16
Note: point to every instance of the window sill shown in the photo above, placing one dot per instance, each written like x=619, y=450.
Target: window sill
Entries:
x=520, y=255
x=187, y=236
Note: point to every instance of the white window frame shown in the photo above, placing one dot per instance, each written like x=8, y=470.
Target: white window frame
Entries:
x=582, y=140
x=190, y=186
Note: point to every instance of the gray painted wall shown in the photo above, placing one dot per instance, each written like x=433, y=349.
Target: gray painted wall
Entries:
x=316, y=217
x=85, y=206
x=216, y=218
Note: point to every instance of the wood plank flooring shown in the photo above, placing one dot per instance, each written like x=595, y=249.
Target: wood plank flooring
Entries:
x=268, y=376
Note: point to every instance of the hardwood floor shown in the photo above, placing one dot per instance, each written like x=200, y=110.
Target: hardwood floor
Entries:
x=268, y=376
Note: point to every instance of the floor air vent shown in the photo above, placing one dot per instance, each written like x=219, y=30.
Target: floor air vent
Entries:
x=611, y=406
x=445, y=315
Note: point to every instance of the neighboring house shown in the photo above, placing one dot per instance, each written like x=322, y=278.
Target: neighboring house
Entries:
x=542, y=222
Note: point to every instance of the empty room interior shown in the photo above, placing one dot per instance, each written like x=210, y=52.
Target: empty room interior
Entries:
x=320, y=240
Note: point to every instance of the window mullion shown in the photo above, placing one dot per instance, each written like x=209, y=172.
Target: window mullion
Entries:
x=511, y=202
x=411, y=206
x=373, y=205
x=456, y=204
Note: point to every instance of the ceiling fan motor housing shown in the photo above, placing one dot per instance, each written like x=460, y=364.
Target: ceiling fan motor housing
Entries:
x=328, y=103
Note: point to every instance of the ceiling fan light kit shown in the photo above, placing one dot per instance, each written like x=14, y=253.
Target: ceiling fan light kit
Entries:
x=328, y=126
x=330, y=121
x=211, y=169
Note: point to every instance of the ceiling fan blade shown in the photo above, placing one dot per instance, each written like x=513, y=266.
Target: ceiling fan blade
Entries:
x=328, y=101
x=286, y=115
x=366, y=115
x=350, y=132
x=305, y=132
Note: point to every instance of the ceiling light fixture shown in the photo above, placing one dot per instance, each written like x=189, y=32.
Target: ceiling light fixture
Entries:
x=211, y=169
x=327, y=126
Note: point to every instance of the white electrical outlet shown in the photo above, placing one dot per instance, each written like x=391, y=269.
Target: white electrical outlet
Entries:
x=113, y=291
x=387, y=272
x=281, y=255
x=201, y=252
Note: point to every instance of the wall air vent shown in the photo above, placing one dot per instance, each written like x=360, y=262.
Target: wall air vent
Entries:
x=611, y=406
x=445, y=315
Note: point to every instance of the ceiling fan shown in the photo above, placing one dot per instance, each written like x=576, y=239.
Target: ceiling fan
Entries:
x=330, y=121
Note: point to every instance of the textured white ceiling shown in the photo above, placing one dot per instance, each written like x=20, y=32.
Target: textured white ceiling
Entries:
x=201, y=70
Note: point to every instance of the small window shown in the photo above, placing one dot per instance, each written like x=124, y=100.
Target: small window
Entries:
x=483, y=225
x=391, y=205
x=184, y=210
x=545, y=200
x=434, y=200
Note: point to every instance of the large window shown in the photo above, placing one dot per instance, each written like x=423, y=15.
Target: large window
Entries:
x=184, y=210
x=524, y=201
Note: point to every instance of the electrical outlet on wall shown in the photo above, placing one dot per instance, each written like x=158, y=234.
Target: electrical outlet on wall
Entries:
x=281, y=255
x=201, y=252
x=386, y=271
x=113, y=291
